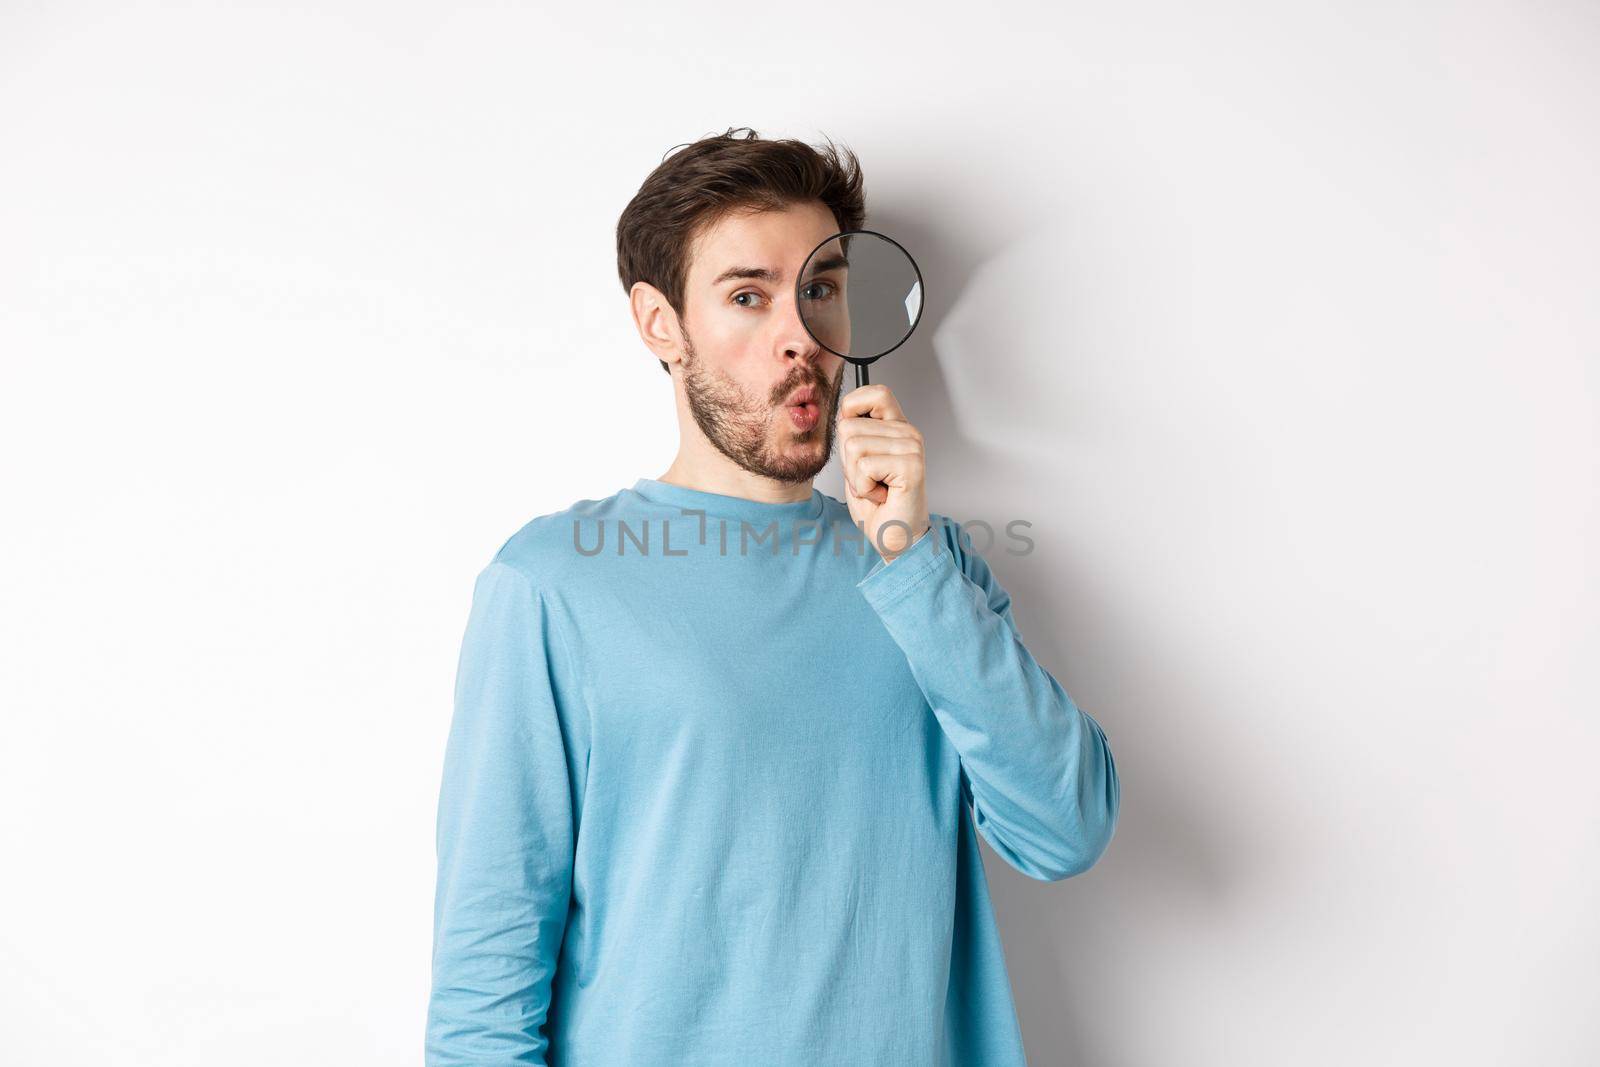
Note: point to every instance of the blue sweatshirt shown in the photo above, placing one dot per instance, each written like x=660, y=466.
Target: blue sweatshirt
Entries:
x=706, y=793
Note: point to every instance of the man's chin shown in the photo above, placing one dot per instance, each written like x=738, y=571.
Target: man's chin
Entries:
x=798, y=460
x=796, y=444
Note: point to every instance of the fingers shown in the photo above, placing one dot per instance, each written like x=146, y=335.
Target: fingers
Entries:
x=877, y=444
x=857, y=445
x=870, y=401
x=875, y=430
x=861, y=484
x=894, y=470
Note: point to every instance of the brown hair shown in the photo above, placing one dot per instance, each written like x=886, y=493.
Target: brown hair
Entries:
x=691, y=190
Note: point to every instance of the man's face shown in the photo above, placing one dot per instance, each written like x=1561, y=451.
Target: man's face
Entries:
x=746, y=353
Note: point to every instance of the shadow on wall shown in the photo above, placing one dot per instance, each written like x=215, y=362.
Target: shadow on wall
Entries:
x=1005, y=399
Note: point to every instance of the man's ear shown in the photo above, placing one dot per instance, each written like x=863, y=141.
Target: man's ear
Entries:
x=656, y=321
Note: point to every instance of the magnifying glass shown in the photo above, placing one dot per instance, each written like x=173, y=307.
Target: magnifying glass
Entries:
x=860, y=296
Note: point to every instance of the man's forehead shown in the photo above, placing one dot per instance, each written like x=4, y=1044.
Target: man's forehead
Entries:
x=766, y=245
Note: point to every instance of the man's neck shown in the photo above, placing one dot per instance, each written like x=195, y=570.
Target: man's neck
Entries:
x=729, y=479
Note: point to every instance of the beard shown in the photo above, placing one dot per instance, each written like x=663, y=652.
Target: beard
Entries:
x=741, y=427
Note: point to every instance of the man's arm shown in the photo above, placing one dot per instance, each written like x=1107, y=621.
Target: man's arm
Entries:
x=505, y=835
x=1038, y=770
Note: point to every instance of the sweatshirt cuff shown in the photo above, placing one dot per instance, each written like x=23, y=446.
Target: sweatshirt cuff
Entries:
x=886, y=583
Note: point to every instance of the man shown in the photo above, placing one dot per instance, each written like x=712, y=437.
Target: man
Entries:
x=707, y=803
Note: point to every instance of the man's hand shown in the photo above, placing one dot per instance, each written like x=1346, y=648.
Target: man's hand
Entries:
x=884, y=469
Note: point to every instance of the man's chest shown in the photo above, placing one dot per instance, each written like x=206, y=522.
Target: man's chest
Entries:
x=722, y=659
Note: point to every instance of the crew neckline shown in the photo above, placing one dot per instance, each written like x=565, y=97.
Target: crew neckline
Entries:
x=721, y=505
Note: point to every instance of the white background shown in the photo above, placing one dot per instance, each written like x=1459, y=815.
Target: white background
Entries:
x=1278, y=321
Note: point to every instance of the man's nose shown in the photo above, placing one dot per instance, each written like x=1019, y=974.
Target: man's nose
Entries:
x=797, y=342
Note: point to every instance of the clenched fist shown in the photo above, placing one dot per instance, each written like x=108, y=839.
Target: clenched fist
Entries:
x=884, y=469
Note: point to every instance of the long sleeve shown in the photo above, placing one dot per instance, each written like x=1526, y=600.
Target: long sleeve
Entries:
x=505, y=834
x=1037, y=770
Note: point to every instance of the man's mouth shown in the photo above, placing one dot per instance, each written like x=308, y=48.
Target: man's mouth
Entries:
x=804, y=408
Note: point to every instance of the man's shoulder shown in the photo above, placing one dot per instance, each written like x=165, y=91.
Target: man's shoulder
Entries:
x=544, y=549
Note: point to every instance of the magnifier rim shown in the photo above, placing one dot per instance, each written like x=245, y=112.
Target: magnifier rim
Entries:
x=921, y=304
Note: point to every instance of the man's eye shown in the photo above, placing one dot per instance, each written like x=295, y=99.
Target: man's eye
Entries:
x=747, y=292
x=817, y=291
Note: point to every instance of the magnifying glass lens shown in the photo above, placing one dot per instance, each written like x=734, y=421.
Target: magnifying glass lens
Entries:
x=859, y=295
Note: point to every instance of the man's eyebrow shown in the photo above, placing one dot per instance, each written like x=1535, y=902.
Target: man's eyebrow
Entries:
x=767, y=274
x=762, y=273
